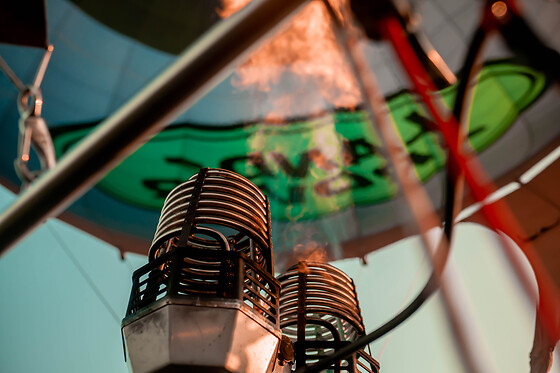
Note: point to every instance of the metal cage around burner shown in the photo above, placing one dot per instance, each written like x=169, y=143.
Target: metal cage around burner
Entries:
x=320, y=313
x=210, y=205
x=208, y=291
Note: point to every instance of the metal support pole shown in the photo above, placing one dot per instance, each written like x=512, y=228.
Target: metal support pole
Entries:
x=194, y=73
x=301, y=344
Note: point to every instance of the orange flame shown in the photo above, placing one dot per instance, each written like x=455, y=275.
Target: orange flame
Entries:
x=311, y=251
x=307, y=48
x=230, y=7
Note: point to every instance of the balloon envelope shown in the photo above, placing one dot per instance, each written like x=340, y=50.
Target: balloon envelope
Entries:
x=323, y=167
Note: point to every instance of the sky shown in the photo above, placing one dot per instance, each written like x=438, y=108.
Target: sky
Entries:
x=64, y=294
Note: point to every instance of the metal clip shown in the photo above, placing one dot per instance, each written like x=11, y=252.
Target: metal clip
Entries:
x=33, y=131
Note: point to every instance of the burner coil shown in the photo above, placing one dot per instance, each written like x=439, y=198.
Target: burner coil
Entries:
x=208, y=206
x=320, y=312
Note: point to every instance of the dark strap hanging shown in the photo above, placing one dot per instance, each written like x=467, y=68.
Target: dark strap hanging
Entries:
x=191, y=210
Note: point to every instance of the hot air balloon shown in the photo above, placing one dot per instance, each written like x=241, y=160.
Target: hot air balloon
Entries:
x=312, y=150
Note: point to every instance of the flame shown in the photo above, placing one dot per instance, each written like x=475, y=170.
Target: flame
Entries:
x=303, y=267
x=311, y=251
x=230, y=7
x=307, y=48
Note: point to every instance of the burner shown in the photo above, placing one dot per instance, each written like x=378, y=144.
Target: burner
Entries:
x=320, y=313
x=207, y=293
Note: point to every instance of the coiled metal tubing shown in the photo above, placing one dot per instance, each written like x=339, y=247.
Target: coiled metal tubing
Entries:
x=231, y=213
x=325, y=297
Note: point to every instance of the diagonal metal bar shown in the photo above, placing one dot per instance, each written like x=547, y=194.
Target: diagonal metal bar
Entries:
x=40, y=74
x=194, y=73
x=421, y=208
x=469, y=343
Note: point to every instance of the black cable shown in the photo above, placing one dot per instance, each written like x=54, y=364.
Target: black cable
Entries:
x=474, y=50
x=442, y=252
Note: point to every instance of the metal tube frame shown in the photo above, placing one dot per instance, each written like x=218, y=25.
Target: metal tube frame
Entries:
x=195, y=72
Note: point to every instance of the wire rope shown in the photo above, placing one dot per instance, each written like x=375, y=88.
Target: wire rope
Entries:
x=442, y=252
